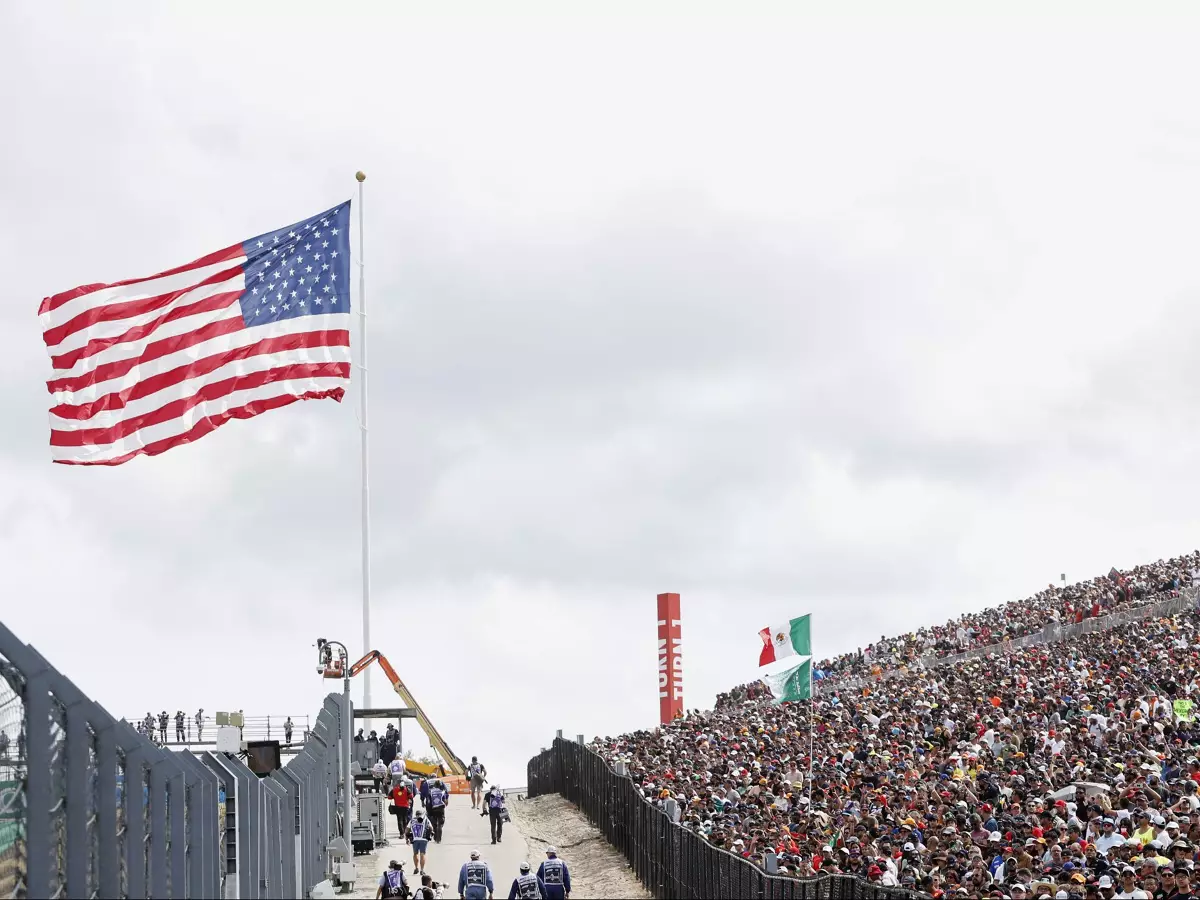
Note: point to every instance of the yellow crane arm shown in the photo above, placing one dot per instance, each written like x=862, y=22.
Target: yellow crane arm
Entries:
x=453, y=763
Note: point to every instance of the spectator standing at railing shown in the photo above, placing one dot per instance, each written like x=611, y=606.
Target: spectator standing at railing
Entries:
x=164, y=720
x=180, y=732
x=200, y=724
x=3, y=744
x=287, y=730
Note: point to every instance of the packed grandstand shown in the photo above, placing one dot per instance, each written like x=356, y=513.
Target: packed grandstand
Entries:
x=1065, y=769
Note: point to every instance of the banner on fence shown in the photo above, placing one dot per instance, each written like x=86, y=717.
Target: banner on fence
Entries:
x=670, y=659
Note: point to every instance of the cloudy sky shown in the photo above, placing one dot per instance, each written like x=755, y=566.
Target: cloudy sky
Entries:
x=879, y=318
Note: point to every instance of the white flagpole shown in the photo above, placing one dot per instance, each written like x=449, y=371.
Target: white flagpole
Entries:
x=366, y=460
x=812, y=710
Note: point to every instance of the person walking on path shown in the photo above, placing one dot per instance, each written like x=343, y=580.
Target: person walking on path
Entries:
x=493, y=800
x=392, y=883
x=525, y=886
x=554, y=877
x=477, y=773
x=402, y=800
x=439, y=797
x=475, y=879
x=418, y=832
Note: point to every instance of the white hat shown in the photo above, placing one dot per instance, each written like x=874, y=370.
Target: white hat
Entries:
x=550, y=851
x=474, y=854
x=1105, y=882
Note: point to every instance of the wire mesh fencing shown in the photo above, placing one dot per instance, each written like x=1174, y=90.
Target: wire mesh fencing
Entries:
x=672, y=861
x=91, y=807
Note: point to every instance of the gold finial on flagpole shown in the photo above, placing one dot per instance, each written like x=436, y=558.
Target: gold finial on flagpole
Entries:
x=361, y=176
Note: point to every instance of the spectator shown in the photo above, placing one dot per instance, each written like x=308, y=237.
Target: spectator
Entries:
x=1057, y=766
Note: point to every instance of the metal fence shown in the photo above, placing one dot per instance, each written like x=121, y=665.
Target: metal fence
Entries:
x=91, y=808
x=670, y=860
x=254, y=728
x=1185, y=602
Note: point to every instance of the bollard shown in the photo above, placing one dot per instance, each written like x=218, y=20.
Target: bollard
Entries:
x=579, y=739
x=770, y=862
x=558, y=734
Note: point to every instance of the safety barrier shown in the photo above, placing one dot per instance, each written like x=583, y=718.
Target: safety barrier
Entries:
x=1185, y=602
x=670, y=860
x=254, y=728
x=91, y=808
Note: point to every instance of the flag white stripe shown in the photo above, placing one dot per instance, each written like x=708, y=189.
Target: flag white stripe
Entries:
x=261, y=363
x=117, y=327
x=185, y=422
x=139, y=291
x=134, y=349
x=213, y=346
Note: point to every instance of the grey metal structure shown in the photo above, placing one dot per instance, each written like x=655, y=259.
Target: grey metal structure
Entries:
x=91, y=808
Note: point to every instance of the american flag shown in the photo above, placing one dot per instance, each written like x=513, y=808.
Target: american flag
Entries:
x=144, y=365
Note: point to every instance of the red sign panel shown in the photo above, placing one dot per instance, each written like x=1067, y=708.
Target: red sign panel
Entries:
x=670, y=659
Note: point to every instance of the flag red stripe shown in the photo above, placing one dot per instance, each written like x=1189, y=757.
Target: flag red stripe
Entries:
x=154, y=350
x=208, y=304
x=211, y=391
x=148, y=386
x=208, y=425
x=54, y=301
x=112, y=312
x=768, y=651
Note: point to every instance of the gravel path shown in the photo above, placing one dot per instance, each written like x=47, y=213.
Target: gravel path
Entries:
x=598, y=870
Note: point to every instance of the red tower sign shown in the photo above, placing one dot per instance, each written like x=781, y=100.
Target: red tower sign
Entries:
x=670, y=659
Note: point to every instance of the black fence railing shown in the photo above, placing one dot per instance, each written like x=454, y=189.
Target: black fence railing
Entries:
x=671, y=861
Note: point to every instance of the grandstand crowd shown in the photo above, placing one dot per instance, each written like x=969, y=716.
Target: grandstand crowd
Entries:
x=1061, y=770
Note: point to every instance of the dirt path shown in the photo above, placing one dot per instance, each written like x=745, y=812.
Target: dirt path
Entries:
x=597, y=869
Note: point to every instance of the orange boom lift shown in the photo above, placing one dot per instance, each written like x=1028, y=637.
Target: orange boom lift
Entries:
x=452, y=770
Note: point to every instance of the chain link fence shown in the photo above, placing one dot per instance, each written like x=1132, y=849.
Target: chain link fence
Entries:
x=91, y=808
x=670, y=860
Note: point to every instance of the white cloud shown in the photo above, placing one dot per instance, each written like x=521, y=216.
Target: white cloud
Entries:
x=880, y=316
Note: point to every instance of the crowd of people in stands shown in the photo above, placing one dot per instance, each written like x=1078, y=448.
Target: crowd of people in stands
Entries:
x=1057, y=604
x=1062, y=770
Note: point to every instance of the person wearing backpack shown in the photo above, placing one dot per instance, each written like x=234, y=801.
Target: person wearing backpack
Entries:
x=439, y=797
x=392, y=883
x=493, y=800
x=402, y=797
x=477, y=773
x=418, y=833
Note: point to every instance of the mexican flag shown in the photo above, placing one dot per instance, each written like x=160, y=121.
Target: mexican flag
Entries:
x=791, y=684
x=781, y=641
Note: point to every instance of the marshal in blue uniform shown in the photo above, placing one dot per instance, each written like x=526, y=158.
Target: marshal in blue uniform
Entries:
x=554, y=877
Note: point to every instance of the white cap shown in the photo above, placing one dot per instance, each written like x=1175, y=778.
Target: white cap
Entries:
x=550, y=850
x=474, y=854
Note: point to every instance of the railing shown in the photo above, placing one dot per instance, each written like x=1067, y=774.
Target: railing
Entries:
x=254, y=728
x=670, y=860
x=91, y=808
x=1185, y=602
